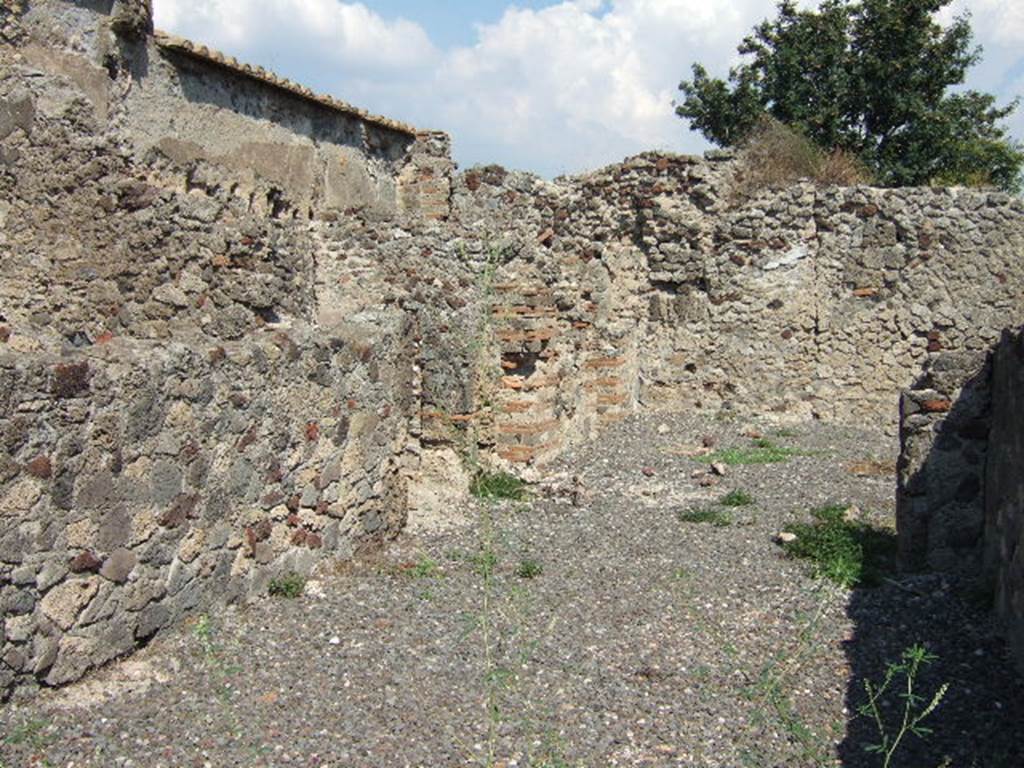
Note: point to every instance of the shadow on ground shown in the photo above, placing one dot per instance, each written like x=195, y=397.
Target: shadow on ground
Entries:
x=978, y=723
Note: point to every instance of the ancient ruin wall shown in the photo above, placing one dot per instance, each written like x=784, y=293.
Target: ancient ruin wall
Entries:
x=177, y=426
x=291, y=152
x=217, y=369
x=945, y=420
x=798, y=302
x=960, y=505
x=1004, y=489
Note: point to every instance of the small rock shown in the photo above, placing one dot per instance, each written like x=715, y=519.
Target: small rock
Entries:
x=335, y=640
x=664, y=429
x=315, y=588
x=709, y=441
x=118, y=566
x=718, y=468
x=708, y=481
x=786, y=537
x=648, y=471
x=852, y=513
x=87, y=562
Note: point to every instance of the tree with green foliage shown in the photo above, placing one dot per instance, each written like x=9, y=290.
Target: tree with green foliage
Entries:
x=869, y=77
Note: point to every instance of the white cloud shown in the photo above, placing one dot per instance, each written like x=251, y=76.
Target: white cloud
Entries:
x=585, y=83
x=575, y=85
x=318, y=33
x=996, y=21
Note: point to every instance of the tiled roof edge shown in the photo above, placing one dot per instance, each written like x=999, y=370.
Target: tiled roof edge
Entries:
x=204, y=53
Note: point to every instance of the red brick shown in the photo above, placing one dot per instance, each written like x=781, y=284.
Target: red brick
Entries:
x=87, y=562
x=528, y=429
x=39, y=467
x=518, y=407
x=605, y=362
x=520, y=454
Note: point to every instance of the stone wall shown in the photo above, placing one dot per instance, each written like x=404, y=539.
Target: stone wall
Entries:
x=227, y=354
x=141, y=481
x=1004, y=489
x=798, y=303
x=960, y=504
x=177, y=427
x=945, y=420
x=290, y=151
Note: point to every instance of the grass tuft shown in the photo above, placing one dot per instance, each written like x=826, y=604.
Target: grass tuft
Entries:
x=716, y=517
x=288, y=586
x=529, y=569
x=847, y=552
x=761, y=451
x=737, y=498
x=424, y=568
x=498, y=485
x=776, y=155
x=485, y=562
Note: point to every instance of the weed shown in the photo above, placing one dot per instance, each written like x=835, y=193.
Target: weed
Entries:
x=773, y=685
x=762, y=451
x=30, y=733
x=737, y=498
x=529, y=569
x=203, y=632
x=848, y=552
x=553, y=761
x=915, y=710
x=289, y=586
x=497, y=485
x=424, y=568
x=716, y=517
x=776, y=155
x=485, y=562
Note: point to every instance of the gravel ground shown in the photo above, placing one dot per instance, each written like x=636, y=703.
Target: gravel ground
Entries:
x=643, y=641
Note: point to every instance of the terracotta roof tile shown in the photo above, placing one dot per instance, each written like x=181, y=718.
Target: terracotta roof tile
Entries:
x=181, y=45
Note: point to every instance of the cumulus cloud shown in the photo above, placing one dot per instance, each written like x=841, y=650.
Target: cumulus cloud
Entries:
x=996, y=21
x=998, y=26
x=563, y=88
x=580, y=79
x=312, y=33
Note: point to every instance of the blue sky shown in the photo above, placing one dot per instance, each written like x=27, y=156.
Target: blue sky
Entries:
x=551, y=86
x=450, y=22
